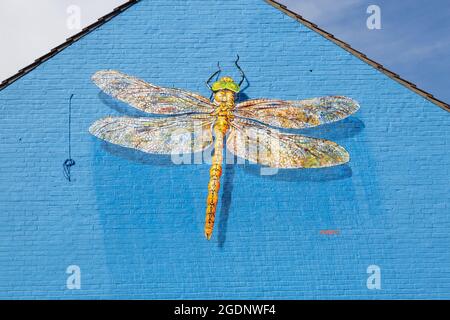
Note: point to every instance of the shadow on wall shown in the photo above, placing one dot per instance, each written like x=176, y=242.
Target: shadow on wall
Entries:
x=137, y=156
x=337, y=131
x=296, y=175
x=120, y=107
x=227, y=185
x=343, y=129
x=347, y=128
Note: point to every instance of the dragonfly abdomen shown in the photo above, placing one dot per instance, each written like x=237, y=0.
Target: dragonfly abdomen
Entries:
x=215, y=173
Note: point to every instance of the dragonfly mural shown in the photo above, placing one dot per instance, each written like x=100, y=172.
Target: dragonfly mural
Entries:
x=193, y=123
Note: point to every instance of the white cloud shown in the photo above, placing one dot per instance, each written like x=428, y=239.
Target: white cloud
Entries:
x=325, y=11
x=29, y=29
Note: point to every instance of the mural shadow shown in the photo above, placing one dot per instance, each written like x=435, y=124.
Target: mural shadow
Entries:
x=119, y=106
x=296, y=175
x=341, y=130
x=225, y=203
x=242, y=97
x=142, y=157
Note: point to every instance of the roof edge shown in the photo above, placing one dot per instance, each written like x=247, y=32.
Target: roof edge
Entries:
x=359, y=55
x=69, y=41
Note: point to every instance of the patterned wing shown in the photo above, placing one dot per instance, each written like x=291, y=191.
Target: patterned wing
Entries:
x=260, y=144
x=298, y=114
x=166, y=135
x=148, y=97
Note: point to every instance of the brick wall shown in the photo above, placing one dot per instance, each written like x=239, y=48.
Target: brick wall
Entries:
x=133, y=223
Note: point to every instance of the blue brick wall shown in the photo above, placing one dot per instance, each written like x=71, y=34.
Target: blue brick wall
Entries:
x=133, y=223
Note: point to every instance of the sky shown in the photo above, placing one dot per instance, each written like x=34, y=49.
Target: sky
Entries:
x=31, y=28
x=414, y=39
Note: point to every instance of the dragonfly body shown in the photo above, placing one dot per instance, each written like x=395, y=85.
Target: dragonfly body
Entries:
x=246, y=126
x=225, y=101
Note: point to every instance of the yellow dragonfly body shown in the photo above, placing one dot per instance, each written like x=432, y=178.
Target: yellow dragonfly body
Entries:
x=195, y=123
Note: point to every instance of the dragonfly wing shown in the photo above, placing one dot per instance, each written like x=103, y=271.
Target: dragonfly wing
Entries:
x=269, y=147
x=298, y=114
x=166, y=135
x=148, y=97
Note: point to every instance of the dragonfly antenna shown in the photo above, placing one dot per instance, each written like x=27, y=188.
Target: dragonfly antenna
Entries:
x=213, y=75
x=244, y=77
x=69, y=162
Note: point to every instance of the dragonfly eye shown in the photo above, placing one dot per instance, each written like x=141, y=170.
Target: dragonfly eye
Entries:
x=219, y=96
x=226, y=83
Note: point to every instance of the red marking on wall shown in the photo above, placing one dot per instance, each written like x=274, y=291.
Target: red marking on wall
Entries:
x=330, y=232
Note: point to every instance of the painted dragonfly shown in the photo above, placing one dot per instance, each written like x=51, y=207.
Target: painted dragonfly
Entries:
x=248, y=125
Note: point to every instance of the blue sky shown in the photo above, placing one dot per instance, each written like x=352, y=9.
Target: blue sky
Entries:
x=414, y=39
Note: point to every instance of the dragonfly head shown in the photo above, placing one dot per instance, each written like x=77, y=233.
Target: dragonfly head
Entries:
x=226, y=83
x=225, y=90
